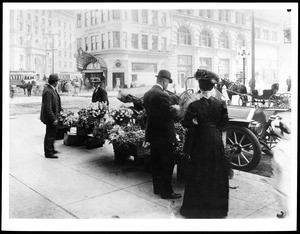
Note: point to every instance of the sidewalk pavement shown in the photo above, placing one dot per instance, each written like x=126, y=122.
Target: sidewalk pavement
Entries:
x=88, y=184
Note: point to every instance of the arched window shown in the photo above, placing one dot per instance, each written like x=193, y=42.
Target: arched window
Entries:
x=223, y=41
x=240, y=42
x=184, y=36
x=205, y=39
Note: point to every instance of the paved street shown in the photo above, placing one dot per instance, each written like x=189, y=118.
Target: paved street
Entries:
x=88, y=184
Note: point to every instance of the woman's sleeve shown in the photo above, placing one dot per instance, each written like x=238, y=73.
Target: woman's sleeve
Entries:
x=224, y=121
x=188, y=117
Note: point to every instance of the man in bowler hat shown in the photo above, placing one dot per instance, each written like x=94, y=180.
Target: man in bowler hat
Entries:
x=51, y=107
x=99, y=94
x=160, y=133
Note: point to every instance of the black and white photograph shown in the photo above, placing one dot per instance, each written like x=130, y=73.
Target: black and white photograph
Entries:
x=140, y=116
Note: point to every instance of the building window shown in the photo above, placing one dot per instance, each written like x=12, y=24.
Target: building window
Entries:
x=209, y=14
x=224, y=15
x=70, y=63
x=135, y=41
x=266, y=34
x=86, y=44
x=108, y=37
x=43, y=12
x=94, y=17
x=108, y=15
x=36, y=19
x=102, y=16
x=59, y=63
x=36, y=30
x=135, y=15
x=205, y=39
x=43, y=21
x=206, y=63
x=145, y=16
x=29, y=16
x=78, y=20
x=43, y=31
x=65, y=25
x=21, y=40
x=184, y=36
x=274, y=36
x=163, y=18
x=49, y=14
x=20, y=26
x=86, y=19
x=59, y=43
x=103, y=41
x=145, y=42
x=49, y=23
x=223, y=41
x=184, y=60
x=155, y=43
x=59, y=23
x=116, y=14
x=94, y=42
x=116, y=39
x=223, y=68
x=65, y=64
x=154, y=18
x=59, y=53
x=201, y=13
x=28, y=28
x=257, y=33
x=125, y=39
x=163, y=43
x=70, y=54
x=239, y=18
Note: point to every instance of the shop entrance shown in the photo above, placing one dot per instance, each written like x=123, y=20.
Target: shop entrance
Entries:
x=118, y=80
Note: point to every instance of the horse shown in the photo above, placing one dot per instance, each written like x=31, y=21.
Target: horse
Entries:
x=234, y=89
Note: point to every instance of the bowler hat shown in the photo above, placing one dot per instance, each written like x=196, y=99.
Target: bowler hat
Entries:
x=96, y=80
x=202, y=74
x=165, y=74
x=53, y=78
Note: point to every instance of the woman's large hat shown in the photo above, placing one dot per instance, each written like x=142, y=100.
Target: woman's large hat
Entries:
x=165, y=74
x=202, y=74
x=281, y=128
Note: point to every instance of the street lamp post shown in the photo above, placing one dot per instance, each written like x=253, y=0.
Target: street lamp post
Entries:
x=243, y=53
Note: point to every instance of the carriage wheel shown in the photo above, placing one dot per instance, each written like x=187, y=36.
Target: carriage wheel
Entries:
x=285, y=101
x=274, y=101
x=242, y=148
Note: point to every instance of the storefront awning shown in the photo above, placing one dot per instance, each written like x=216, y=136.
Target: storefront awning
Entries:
x=88, y=61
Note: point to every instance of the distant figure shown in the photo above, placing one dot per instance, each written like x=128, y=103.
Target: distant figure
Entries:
x=99, y=94
x=29, y=88
x=24, y=86
x=289, y=83
x=76, y=88
x=252, y=84
x=275, y=88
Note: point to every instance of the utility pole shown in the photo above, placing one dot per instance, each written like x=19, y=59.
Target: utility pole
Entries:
x=253, y=48
x=52, y=35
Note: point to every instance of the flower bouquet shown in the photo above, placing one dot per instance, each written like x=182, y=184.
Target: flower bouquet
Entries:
x=97, y=110
x=84, y=124
x=121, y=115
x=65, y=121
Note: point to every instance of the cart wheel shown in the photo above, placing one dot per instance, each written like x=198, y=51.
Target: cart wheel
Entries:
x=285, y=101
x=242, y=148
x=274, y=101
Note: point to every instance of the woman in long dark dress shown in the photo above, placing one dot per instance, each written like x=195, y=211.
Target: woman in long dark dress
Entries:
x=207, y=186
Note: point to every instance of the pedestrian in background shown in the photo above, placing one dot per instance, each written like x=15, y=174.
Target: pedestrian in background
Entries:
x=51, y=107
x=99, y=94
x=29, y=88
x=207, y=184
x=289, y=83
x=160, y=134
x=76, y=88
x=281, y=165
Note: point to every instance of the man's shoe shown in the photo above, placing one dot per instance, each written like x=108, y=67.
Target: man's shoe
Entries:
x=51, y=156
x=55, y=152
x=171, y=196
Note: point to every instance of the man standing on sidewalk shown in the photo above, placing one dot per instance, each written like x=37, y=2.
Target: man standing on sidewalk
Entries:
x=160, y=133
x=51, y=107
x=99, y=94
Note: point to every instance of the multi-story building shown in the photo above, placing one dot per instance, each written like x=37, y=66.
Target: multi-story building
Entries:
x=130, y=46
x=33, y=36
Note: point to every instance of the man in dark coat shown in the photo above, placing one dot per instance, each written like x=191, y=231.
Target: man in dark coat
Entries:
x=51, y=107
x=99, y=94
x=160, y=133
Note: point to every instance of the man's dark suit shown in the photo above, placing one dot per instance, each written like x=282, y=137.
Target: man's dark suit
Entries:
x=100, y=95
x=160, y=133
x=50, y=110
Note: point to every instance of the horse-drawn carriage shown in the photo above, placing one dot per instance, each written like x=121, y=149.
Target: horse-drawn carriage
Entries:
x=270, y=98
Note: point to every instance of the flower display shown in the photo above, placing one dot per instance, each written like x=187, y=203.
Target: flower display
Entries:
x=121, y=115
x=128, y=134
x=97, y=110
x=102, y=128
x=83, y=118
x=66, y=119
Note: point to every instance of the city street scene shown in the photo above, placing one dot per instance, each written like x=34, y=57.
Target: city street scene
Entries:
x=88, y=142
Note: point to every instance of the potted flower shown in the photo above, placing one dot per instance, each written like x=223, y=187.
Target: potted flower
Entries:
x=121, y=115
x=64, y=123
